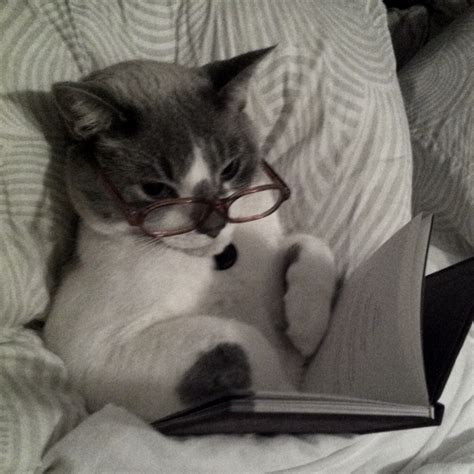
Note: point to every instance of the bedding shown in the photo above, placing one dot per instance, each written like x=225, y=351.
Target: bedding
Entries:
x=438, y=88
x=330, y=118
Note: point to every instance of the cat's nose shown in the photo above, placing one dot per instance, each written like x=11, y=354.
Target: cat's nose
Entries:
x=212, y=226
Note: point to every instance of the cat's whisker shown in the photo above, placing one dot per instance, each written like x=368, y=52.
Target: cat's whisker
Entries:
x=145, y=242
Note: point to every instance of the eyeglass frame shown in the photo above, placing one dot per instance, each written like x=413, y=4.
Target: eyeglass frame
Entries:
x=136, y=216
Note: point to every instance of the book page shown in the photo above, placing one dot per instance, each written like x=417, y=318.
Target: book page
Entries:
x=373, y=348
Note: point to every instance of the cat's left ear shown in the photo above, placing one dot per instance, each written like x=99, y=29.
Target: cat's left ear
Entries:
x=87, y=108
x=230, y=77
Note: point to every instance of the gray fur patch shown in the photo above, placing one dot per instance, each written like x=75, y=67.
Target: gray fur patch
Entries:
x=220, y=370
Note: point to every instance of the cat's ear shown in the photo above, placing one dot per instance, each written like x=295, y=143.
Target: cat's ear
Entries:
x=230, y=77
x=86, y=108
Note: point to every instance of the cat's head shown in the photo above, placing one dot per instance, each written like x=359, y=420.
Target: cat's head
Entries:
x=159, y=130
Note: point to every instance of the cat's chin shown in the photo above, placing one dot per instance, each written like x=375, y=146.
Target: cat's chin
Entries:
x=198, y=245
x=207, y=250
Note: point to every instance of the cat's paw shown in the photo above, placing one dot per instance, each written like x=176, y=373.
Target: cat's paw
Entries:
x=223, y=368
x=311, y=281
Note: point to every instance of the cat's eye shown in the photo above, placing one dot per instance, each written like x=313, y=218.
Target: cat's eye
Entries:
x=158, y=190
x=230, y=170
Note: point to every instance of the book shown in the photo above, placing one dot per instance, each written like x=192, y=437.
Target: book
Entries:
x=391, y=344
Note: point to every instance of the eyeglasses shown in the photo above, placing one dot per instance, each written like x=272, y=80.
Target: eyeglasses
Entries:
x=173, y=216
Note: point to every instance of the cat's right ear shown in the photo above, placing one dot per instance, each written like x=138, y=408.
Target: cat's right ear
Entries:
x=230, y=77
x=85, y=108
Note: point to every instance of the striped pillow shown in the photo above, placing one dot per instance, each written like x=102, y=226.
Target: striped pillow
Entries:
x=438, y=89
x=329, y=114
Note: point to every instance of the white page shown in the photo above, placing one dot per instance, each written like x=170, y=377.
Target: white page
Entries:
x=373, y=348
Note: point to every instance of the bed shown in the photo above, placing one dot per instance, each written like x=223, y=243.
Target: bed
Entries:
x=362, y=149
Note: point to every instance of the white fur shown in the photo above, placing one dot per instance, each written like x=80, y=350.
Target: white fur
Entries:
x=130, y=318
x=198, y=172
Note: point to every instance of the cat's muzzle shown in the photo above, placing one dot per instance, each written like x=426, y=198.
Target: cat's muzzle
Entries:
x=212, y=225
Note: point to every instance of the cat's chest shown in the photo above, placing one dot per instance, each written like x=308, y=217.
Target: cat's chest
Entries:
x=200, y=285
x=251, y=286
x=128, y=286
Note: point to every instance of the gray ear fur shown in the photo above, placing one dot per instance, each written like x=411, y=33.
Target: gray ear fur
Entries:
x=85, y=108
x=230, y=77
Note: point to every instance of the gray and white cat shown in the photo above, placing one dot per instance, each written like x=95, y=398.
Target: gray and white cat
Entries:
x=151, y=322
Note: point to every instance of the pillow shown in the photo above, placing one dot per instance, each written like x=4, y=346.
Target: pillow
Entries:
x=437, y=86
x=328, y=110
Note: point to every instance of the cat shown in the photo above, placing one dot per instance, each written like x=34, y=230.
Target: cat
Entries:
x=155, y=320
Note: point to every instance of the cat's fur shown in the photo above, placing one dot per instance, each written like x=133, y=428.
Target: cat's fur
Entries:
x=151, y=324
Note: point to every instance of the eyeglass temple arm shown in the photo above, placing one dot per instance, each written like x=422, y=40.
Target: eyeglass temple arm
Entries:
x=130, y=213
x=276, y=177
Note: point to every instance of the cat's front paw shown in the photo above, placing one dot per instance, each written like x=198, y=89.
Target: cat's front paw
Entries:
x=311, y=281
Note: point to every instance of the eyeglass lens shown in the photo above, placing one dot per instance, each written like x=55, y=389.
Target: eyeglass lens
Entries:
x=254, y=204
x=185, y=216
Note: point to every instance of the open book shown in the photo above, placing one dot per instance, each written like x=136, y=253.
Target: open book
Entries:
x=391, y=344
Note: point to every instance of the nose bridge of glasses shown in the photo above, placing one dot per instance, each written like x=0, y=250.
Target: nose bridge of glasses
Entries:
x=204, y=191
x=212, y=222
x=220, y=206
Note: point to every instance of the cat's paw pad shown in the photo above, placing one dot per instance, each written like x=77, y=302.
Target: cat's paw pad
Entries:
x=223, y=368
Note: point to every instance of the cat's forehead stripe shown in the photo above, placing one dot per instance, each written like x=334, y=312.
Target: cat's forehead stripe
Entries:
x=198, y=172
